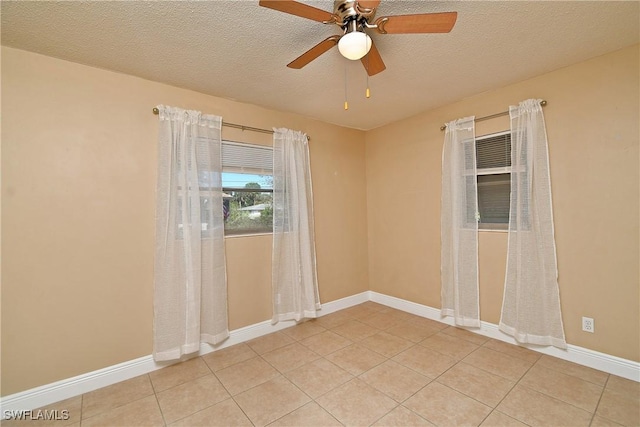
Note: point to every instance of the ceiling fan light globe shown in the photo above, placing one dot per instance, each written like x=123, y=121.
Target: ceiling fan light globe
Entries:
x=354, y=45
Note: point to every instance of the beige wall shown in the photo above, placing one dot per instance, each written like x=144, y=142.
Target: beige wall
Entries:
x=78, y=183
x=593, y=128
x=78, y=178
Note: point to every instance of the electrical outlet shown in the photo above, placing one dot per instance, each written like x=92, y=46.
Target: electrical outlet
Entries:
x=588, y=325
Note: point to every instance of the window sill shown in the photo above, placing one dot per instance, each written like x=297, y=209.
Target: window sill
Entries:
x=234, y=236
x=493, y=230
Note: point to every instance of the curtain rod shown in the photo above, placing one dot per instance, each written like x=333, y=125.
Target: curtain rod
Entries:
x=493, y=116
x=236, y=126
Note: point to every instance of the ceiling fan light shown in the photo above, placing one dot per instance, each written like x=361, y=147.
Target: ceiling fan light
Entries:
x=354, y=45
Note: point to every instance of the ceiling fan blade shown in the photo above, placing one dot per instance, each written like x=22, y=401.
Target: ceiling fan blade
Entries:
x=314, y=52
x=420, y=23
x=372, y=61
x=298, y=9
x=368, y=4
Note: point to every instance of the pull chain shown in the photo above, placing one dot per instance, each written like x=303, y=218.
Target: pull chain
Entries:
x=368, y=92
x=346, y=102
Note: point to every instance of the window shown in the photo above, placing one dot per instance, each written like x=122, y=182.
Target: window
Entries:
x=493, y=162
x=247, y=186
x=203, y=195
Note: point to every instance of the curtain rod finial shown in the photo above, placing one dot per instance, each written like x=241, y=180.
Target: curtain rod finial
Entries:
x=543, y=102
x=156, y=111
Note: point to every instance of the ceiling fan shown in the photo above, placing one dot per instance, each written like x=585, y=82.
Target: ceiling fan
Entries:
x=355, y=17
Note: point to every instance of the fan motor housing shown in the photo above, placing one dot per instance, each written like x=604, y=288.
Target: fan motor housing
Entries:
x=348, y=11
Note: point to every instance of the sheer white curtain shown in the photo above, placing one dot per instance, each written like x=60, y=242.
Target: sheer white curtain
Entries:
x=294, y=279
x=531, y=305
x=190, y=289
x=459, y=224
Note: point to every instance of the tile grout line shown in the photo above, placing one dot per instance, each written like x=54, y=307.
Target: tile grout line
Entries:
x=386, y=359
x=464, y=394
x=492, y=373
x=563, y=401
x=122, y=405
x=508, y=392
x=388, y=412
x=541, y=392
x=296, y=386
x=574, y=376
x=280, y=374
x=231, y=396
x=462, y=360
x=413, y=394
x=81, y=405
x=599, y=399
x=155, y=394
x=193, y=379
x=304, y=404
x=417, y=391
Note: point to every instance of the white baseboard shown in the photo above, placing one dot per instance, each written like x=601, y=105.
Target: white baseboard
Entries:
x=75, y=386
x=71, y=387
x=256, y=330
x=583, y=356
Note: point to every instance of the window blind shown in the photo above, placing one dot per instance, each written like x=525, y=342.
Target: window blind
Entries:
x=493, y=198
x=493, y=151
x=493, y=160
x=246, y=158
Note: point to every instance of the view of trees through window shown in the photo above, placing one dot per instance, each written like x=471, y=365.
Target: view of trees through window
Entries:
x=248, y=203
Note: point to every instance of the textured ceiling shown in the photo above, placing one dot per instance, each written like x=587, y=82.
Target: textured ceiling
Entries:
x=239, y=50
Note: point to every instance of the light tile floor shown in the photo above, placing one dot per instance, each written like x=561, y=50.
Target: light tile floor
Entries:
x=366, y=365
